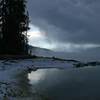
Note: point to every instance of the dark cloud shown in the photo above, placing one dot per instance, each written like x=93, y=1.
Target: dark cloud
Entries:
x=75, y=21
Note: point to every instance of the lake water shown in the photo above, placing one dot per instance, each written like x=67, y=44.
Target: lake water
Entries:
x=64, y=84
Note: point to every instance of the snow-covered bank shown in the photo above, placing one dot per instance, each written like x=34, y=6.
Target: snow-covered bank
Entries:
x=10, y=68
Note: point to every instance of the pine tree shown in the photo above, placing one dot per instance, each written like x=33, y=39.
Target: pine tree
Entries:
x=14, y=27
x=1, y=34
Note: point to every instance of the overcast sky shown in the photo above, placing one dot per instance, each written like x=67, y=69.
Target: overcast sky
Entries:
x=65, y=23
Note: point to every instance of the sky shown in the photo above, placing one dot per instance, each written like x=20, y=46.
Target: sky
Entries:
x=64, y=25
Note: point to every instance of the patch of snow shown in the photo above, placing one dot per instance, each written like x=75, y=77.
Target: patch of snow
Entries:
x=10, y=68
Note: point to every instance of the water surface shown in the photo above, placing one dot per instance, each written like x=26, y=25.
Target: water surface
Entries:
x=75, y=84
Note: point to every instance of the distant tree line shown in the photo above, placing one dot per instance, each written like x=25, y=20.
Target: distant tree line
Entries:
x=14, y=23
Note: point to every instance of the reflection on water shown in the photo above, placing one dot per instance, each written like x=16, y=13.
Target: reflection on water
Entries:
x=22, y=84
x=76, y=84
x=24, y=88
x=40, y=75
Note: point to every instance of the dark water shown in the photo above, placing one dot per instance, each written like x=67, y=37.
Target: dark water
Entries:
x=75, y=84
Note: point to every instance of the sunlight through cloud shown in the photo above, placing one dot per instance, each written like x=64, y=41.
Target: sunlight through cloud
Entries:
x=34, y=34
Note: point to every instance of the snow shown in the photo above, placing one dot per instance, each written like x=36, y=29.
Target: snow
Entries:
x=10, y=68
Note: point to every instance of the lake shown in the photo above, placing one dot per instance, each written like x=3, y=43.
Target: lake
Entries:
x=64, y=84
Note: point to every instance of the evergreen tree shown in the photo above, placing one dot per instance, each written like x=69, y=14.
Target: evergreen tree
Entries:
x=1, y=34
x=14, y=26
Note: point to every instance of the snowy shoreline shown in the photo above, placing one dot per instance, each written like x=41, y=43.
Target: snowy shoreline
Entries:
x=10, y=68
